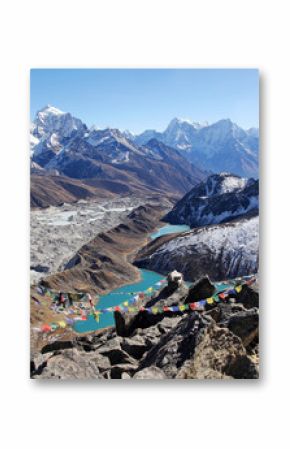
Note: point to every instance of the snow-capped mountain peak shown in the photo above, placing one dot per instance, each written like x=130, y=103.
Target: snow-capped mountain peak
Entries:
x=224, y=183
x=48, y=109
x=177, y=121
x=129, y=135
x=221, y=146
x=52, y=130
x=220, y=198
x=50, y=120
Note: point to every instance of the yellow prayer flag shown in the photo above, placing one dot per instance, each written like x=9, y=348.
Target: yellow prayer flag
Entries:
x=210, y=300
x=62, y=324
x=238, y=288
x=97, y=316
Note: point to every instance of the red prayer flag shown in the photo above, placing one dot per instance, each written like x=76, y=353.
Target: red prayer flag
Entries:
x=45, y=328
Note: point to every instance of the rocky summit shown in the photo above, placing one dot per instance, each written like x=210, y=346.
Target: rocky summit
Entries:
x=220, y=343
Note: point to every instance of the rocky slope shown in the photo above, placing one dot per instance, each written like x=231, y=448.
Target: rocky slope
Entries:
x=218, y=199
x=52, y=190
x=220, y=343
x=222, y=251
x=103, y=263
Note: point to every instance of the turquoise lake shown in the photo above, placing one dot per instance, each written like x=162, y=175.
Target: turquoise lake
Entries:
x=121, y=294
x=115, y=297
x=169, y=229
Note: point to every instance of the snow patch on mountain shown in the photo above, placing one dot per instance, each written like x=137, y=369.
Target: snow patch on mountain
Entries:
x=224, y=183
x=222, y=251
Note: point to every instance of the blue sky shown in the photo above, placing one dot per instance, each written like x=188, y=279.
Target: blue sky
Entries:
x=139, y=99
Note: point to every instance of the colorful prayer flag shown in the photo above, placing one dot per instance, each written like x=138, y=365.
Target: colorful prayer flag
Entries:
x=62, y=324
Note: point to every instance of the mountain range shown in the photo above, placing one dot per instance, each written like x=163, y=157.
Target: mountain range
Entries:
x=171, y=162
x=218, y=147
x=61, y=145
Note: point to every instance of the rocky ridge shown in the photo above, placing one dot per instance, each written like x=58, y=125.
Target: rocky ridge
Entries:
x=220, y=198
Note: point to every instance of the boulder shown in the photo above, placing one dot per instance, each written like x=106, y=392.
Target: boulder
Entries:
x=126, y=324
x=223, y=311
x=169, y=296
x=117, y=356
x=175, y=346
x=219, y=355
x=69, y=364
x=112, y=349
x=153, y=373
x=102, y=362
x=248, y=297
x=203, y=288
x=117, y=371
x=135, y=347
x=240, y=321
x=245, y=325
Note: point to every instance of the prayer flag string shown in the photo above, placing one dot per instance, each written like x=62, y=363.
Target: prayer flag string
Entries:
x=128, y=307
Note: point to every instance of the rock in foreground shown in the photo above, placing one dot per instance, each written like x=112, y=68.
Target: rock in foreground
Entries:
x=221, y=343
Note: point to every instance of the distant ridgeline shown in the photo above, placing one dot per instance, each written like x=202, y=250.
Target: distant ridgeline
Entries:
x=78, y=162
